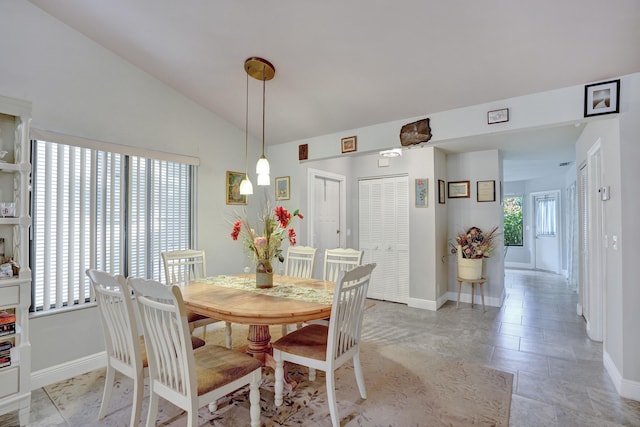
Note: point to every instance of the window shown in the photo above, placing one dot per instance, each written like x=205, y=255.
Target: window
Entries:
x=545, y=216
x=102, y=209
x=513, y=221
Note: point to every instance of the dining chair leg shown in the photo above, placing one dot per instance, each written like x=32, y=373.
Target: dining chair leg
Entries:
x=312, y=374
x=227, y=328
x=138, y=389
x=357, y=368
x=331, y=398
x=154, y=399
x=279, y=381
x=285, y=330
x=254, y=398
x=106, y=394
x=213, y=407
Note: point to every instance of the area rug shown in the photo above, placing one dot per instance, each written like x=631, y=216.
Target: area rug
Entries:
x=404, y=388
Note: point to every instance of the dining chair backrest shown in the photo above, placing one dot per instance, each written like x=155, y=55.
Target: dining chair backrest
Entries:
x=121, y=335
x=168, y=339
x=339, y=259
x=300, y=261
x=189, y=379
x=345, y=323
x=181, y=266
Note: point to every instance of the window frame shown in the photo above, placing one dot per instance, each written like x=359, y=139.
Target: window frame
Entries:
x=78, y=295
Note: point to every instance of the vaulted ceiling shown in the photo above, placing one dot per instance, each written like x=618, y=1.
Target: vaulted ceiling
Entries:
x=347, y=64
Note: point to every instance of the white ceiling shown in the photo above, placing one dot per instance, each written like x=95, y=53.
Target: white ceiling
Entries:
x=346, y=64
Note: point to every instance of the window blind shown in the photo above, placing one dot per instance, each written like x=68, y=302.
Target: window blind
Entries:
x=106, y=210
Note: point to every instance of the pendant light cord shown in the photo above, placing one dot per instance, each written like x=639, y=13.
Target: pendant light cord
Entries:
x=246, y=131
x=264, y=79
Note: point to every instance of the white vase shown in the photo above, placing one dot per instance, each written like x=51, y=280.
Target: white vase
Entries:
x=469, y=268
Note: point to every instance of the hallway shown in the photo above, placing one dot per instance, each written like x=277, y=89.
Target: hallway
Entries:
x=559, y=377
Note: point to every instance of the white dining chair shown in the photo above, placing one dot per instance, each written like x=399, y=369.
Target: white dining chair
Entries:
x=299, y=262
x=190, y=379
x=329, y=347
x=125, y=352
x=340, y=259
x=182, y=266
x=124, y=345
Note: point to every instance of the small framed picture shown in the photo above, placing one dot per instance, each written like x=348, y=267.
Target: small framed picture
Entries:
x=486, y=191
x=498, y=116
x=233, y=189
x=602, y=98
x=421, y=192
x=441, y=192
x=459, y=189
x=349, y=144
x=303, y=151
x=282, y=188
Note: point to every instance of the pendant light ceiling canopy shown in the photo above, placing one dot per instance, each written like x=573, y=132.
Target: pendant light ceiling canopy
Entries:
x=261, y=69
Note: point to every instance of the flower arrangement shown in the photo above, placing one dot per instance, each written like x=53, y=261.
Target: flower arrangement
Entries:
x=275, y=229
x=474, y=243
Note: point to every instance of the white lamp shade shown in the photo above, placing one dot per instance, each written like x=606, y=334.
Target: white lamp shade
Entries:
x=264, y=179
x=262, y=167
x=245, y=186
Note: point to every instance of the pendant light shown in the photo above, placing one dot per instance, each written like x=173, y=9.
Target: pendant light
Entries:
x=245, y=185
x=261, y=69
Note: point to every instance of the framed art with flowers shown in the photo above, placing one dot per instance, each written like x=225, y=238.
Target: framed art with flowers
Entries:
x=282, y=188
x=233, y=189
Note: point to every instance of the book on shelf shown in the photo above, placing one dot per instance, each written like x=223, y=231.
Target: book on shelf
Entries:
x=5, y=345
x=6, y=317
x=5, y=364
x=7, y=329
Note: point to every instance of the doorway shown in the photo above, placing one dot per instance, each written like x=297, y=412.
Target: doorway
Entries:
x=546, y=230
x=327, y=213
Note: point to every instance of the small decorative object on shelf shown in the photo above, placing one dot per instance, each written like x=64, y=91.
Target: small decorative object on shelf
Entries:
x=263, y=247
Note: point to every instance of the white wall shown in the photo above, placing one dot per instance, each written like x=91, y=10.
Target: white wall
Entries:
x=468, y=212
x=78, y=88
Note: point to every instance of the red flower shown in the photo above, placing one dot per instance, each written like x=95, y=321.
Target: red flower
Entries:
x=283, y=216
x=236, y=230
x=292, y=237
x=300, y=216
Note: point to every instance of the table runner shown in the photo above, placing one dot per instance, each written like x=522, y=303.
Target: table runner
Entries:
x=282, y=290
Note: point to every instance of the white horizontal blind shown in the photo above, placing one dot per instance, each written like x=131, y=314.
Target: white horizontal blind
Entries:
x=104, y=210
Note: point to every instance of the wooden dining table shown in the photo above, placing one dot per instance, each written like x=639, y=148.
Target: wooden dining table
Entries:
x=235, y=299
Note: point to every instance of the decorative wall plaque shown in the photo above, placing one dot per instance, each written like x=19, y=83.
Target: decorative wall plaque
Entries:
x=415, y=133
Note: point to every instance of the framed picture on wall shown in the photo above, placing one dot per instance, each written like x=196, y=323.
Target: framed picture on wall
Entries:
x=282, y=188
x=459, y=189
x=421, y=192
x=349, y=144
x=233, y=189
x=441, y=192
x=486, y=191
x=602, y=98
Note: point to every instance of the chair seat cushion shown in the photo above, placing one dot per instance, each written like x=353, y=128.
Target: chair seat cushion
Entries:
x=310, y=341
x=217, y=366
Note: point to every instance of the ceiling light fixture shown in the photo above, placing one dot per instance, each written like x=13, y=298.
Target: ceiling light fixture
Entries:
x=261, y=69
x=245, y=185
x=394, y=152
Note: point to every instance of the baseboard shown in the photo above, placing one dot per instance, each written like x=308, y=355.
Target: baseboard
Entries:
x=424, y=304
x=625, y=388
x=523, y=265
x=67, y=370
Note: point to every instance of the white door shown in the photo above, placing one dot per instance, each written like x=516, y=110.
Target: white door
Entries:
x=547, y=228
x=327, y=214
x=594, y=291
x=384, y=235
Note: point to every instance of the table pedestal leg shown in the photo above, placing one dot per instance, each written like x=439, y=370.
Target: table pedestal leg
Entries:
x=259, y=346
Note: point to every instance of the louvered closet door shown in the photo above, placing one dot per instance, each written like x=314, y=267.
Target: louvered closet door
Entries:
x=384, y=235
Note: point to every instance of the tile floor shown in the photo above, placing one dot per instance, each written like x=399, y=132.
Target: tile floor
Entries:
x=559, y=378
